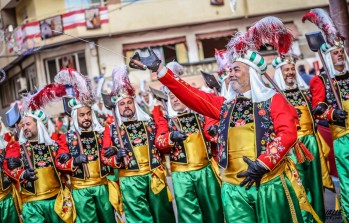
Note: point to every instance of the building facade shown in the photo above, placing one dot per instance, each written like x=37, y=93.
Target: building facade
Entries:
x=39, y=36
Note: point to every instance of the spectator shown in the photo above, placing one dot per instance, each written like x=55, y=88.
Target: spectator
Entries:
x=306, y=77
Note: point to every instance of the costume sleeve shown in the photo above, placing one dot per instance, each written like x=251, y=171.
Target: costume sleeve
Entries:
x=199, y=101
x=318, y=91
x=208, y=123
x=107, y=142
x=162, y=138
x=63, y=148
x=13, y=150
x=285, y=133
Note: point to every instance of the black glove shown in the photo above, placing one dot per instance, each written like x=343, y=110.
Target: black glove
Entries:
x=254, y=173
x=213, y=130
x=151, y=62
x=121, y=154
x=339, y=114
x=82, y=158
x=298, y=112
x=320, y=109
x=110, y=151
x=178, y=136
x=64, y=157
x=13, y=163
x=30, y=175
x=1, y=160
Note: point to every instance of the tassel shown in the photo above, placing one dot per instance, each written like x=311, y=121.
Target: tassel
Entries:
x=299, y=155
x=302, y=152
x=337, y=206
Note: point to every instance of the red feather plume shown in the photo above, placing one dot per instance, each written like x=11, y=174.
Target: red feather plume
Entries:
x=269, y=30
x=322, y=20
x=47, y=94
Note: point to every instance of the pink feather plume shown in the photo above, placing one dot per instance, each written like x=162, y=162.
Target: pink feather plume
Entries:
x=322, y=20
x=269, y=30
x=121, y=81
x=81, y=84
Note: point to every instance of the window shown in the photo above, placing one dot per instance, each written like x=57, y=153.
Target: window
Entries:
x=79, y=4
x=30, y=74
x=6, y=94
x=208, y=42
x=76, y=61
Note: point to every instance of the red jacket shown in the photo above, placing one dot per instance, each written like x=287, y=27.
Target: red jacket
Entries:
x=210, y=105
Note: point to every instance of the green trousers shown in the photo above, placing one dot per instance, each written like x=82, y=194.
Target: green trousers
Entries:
x=198, y=196
x=141, y=204
x=8, y=212
x=275, y=201
x=92, y=205
x=40, y=212
x=311, y=176
x=341, y=153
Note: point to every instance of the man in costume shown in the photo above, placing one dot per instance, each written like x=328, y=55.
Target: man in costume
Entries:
x=145, y=194
x=315, y=173
x=88, y=174
x=146, y=98
x=256, y=112
x=324, y=104
x=40, y=185
x=8, y=212
x=196, y=187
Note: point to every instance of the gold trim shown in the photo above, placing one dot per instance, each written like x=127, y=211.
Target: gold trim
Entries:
x=4, y=193
x=289, y=199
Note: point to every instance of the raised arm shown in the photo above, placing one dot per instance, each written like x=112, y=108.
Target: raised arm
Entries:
x=285, y=130
x=199, y=101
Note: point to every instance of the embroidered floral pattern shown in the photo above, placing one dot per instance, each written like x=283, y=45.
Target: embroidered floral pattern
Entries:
x=155, y=155
x=134, y=134
x=266, y=133
x=295, y=97
x=242, y=113
x=274, y=148
x=191, y=123
x=342, y=83
x=41, y=155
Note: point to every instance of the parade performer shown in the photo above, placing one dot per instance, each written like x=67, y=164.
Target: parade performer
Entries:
x=324, y=104
x=79, y=153
x=145, y=194
x=196, y=187
x=147, y=101
x=30, y=163
x=256, y=112
x=8, y=212
x=313, y=173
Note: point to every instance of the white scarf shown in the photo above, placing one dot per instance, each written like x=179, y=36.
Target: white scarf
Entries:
x=96, y=126
x=140, y=114
x=43, y=135
x=280, y=81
